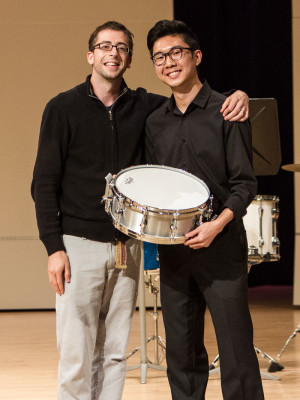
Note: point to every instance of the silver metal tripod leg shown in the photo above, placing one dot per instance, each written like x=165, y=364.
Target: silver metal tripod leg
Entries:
x=144, y=362
x=297, y=330
x=274, y=365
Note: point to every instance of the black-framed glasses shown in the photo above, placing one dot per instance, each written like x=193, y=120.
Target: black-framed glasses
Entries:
x=121, y=48
x=176, y=53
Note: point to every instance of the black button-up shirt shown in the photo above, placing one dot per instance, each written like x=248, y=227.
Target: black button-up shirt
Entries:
x=201, y=142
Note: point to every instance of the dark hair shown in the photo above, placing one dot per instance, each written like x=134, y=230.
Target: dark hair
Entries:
x=114, y=26
x=165, y=27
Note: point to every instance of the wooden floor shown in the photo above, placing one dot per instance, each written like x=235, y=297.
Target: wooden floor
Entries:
x=28, y=357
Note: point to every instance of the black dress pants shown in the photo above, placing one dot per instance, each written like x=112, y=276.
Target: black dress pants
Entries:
x=217, y=277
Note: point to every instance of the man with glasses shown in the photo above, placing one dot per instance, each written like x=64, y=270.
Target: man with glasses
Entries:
x=211, y=268
x=93, y=129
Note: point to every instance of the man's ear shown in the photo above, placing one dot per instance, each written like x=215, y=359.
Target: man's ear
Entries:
x=90, y=57
x=198, y=57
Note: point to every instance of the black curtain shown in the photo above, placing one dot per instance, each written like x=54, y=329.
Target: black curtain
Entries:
x=247, y=45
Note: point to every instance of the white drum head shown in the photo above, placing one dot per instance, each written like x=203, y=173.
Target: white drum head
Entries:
x=162, y=187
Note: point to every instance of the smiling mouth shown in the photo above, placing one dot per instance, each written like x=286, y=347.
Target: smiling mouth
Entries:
x=112, y=64
x=173, y=74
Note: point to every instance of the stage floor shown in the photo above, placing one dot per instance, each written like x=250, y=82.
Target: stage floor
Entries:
x=28, y=356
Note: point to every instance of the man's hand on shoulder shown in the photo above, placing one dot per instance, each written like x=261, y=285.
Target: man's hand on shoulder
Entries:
x=58, y=271
x=236, y=107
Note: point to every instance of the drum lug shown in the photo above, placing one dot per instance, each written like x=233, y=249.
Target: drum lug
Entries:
x=107, y=198
x=143, y=222
x=252, y=250
x=253, y=255
x=173, y=226
x=120, y=207
x=275, y=212
x=209, y=212
x=275, y=242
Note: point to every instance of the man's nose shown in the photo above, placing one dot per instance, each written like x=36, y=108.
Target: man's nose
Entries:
x=114, y=50
x=169, y=61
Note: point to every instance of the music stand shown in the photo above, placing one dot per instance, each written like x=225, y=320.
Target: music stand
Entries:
x=263, y=115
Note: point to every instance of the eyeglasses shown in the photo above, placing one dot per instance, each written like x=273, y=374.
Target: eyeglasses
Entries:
x=108, y=47
x=175, y=54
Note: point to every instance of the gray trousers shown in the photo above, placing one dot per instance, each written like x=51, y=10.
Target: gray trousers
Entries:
x=93, y=319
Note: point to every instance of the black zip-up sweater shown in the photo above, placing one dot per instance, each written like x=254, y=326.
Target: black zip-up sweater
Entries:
x=80, y=143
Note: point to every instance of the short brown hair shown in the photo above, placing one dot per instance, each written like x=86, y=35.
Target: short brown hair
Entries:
x=114, y=26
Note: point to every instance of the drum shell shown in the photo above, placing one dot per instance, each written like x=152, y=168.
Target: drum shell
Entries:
x=261, y=229
x=157, y=223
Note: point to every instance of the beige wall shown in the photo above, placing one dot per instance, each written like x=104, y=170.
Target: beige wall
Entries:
x=296, y=84
x=43, y=51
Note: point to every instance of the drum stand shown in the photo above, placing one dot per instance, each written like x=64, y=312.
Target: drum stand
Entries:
x=273, y=366
x=145, y=363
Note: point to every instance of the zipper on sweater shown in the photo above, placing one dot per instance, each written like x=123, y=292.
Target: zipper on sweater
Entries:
x=114, y=138
x=114, y=147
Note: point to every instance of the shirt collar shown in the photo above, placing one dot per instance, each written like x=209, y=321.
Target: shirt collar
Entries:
x=200, y=100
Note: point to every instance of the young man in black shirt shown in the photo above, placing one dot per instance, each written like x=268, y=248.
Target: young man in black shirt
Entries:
x=188, y=132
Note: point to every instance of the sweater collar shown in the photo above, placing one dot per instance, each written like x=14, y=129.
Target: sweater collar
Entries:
x=90, y=89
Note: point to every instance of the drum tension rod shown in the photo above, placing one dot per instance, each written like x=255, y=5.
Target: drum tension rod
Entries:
x=173, y=226
x=144, y=221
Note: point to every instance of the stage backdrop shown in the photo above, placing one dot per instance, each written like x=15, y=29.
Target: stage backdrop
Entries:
x=43, y=52
x=247, y=45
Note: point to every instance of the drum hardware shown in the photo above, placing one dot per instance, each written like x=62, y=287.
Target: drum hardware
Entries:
x=159, y=342
x=143, y=222
x=253, y=255
x=107, y=198
x=204, y=212
x=273, y=366
x=173, y=226
x=145, y=363
x=151, y=284
x=120, y=207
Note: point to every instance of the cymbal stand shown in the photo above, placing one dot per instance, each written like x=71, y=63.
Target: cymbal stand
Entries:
x=144, y=363
x=297, y=330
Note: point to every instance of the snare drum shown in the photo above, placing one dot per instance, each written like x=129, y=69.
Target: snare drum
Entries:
x=261, y=229
x=156, y=204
